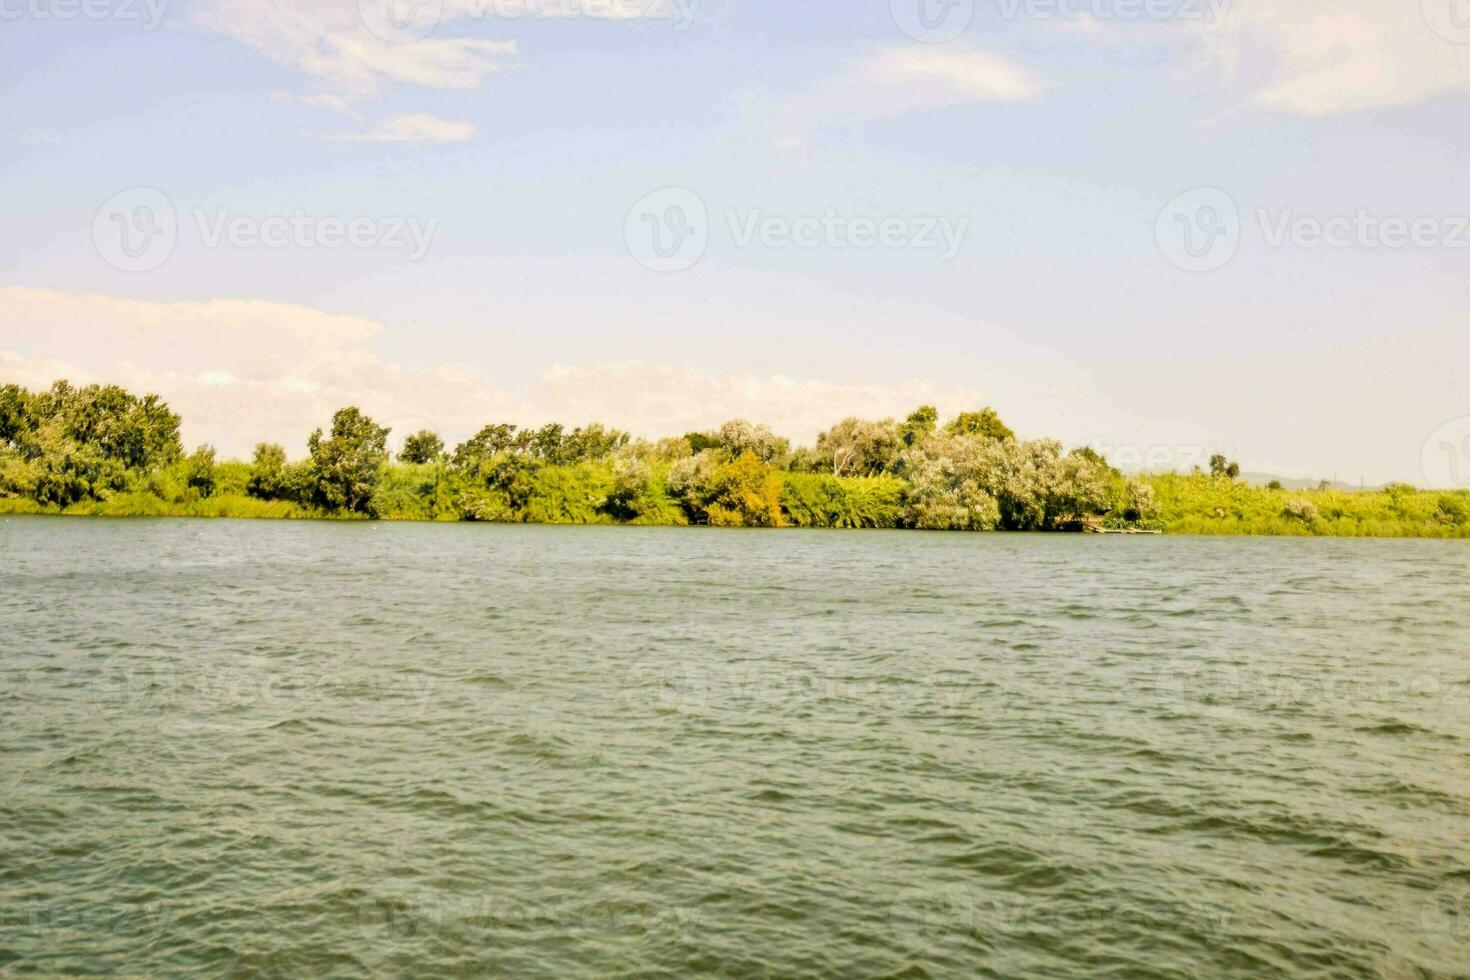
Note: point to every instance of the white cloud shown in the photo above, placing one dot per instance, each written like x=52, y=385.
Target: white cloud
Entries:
x=331, y=43
x=414, y=127
x=1316, y=58
x=945, y=73
x=889, y=82
x=245, y=371
x=1348, y=55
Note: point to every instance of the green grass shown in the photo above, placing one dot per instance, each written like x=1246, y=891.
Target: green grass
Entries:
x=139, y=504
x=1199, y=504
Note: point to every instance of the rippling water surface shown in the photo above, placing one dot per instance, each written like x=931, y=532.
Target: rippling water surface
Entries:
x=305, y=749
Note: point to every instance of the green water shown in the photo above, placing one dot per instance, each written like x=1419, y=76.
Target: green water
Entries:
x=300, y=749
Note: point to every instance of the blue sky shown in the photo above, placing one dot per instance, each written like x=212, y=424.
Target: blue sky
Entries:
x=1061, y=141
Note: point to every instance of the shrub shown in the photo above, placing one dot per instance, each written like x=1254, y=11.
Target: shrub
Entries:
x=1298, y=509
x=826, y=501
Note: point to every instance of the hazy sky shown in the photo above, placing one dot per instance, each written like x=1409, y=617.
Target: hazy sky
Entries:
x=1162, y=226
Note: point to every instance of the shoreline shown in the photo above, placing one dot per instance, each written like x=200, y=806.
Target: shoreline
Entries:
x=244, y=508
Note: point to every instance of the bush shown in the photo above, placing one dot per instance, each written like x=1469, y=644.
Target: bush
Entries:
x=1300, y=510
x=821, y=500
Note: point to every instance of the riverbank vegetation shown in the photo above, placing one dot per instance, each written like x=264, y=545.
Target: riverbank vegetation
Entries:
x=101, y=450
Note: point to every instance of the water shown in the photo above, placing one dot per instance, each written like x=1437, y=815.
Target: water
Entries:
x=301, y=749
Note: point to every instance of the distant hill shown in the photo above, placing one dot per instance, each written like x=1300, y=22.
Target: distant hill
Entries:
x=1261, y=479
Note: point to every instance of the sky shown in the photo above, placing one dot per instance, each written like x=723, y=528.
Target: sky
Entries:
x=1161, y=228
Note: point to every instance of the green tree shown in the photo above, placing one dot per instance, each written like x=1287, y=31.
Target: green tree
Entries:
x=1220, y=467
x=738, y=437
x=984, y=423
x=700, y=441
x=485, y=445
x=199, y=473
x=348, y=466
x=69, y=444
x=947, y=492
x=268, y=479
x=421, y=447
x=16, y=417
x=920, y=425
x=855, y=447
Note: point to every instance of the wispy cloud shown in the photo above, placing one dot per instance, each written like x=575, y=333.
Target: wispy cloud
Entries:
x=893, y=81
x=1310, y=58
x=1349, y=55
x=349, y=65
x=413, y=127
x=330, y=43
x=940, y=74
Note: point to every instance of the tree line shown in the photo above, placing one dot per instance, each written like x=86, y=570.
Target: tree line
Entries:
x=68, y=444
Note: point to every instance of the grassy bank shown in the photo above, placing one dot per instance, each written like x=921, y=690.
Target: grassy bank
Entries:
x=1189, y=504
x=1200, y=504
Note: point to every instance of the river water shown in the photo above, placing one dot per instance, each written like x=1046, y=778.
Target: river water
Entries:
x=336, y=749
